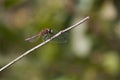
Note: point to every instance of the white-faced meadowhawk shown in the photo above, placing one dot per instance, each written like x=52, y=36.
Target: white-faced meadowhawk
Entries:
x=46, y=34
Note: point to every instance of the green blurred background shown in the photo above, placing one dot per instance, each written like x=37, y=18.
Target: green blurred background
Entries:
x=92, y=51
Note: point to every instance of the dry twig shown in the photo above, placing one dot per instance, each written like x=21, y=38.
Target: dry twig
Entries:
x=43, y=43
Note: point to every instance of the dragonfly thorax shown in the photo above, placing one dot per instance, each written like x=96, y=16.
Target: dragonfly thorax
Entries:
x=46, y=31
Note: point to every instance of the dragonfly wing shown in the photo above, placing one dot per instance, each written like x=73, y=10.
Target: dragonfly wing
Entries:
x=63, y=38
x=33, y=38
x=47, y=36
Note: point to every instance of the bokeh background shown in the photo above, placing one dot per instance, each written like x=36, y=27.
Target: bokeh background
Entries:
x=91, y=52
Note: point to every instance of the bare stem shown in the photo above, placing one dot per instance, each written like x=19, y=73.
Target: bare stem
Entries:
x=43, y=43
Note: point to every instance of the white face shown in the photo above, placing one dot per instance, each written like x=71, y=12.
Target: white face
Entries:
x=50, y=31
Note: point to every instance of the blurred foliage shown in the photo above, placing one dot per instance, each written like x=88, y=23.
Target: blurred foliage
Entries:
x=91, y=53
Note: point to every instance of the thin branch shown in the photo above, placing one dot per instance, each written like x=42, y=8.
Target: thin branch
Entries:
x=43, y=43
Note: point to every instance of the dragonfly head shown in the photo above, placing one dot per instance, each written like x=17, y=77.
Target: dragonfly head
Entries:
x=50, y=31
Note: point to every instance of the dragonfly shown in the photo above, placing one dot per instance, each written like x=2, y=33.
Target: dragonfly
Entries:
x=46, y=34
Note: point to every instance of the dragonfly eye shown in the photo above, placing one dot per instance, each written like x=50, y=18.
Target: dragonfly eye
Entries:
x=50, y=31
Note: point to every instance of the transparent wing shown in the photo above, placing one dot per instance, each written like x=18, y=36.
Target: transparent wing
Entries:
x=63, y=38
x=33, y=38
x=47, y=36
